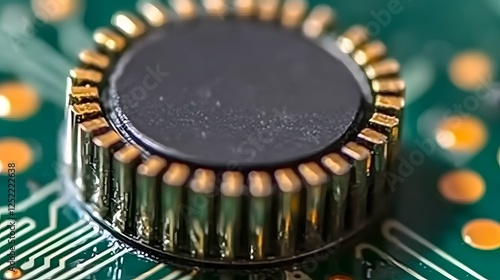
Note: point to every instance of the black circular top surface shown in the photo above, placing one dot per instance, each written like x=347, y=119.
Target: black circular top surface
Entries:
x=224, y=92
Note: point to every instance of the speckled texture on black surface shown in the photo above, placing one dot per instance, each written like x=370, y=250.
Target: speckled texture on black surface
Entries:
x=231, y=92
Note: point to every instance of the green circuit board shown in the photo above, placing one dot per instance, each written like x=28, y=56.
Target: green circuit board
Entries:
x=449, y=54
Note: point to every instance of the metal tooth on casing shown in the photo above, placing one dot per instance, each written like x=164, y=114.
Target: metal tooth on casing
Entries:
x=352, y=38
x=185, y=9
x=200, y=212
x=390, y=105
x=245, y=8
x=147, y=186
x=289, y=186
x=215, y=7
x=85, y=154
x=358, y=189
x=377, y=142
x=83, y=94
x=260, y=188
x=171, y=209
x=293, y=13
x=391, y=86
x=109, y=40
x=268, y=9
x=369, y=52
x=77, y=114
x=318, y=21
x=94, y=59
x=389, y=125
x=229, y=220
x=128, y=24
x=383, y=68
x=337, y=192
x=104, y=146
x=125, y=162
x=83, y=77
x=316, y=183
x=155, y=14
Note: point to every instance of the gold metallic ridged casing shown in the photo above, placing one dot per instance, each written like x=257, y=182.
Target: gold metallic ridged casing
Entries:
x=246, y=218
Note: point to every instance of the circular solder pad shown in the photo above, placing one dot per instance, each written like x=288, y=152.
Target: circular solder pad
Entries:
x=233, y=92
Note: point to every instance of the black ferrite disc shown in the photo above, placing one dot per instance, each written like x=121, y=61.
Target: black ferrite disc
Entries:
x=232, y=92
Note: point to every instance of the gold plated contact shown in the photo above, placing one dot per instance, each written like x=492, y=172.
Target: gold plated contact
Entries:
x=215, y=7
x=228, y=221
x=186, y=9
x=318, y=22
x=260, y=188
x=125, y=163
x=393, y=86
x=200, y=212
x=288, y=210
x=391, y=105
x=353, y=38
x=82, y=77
x=245, y=8
x=94, y=59
x=383, y=68
x=337, y=192
x=147, y=191
x=109, y=40
x=369, y=52
x=316, y=180
x=85, y=94
x=171, y=214
x=154, y=13
x=293, y=13
x=358, y=192
x=268, y=9
x=128, y=24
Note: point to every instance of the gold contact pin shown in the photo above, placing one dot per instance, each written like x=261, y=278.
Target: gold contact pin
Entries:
x=94, y=59
x=146, y=194
x=336, y=194
x=78, y=113
x=186, y=9
x=229, y=221
x=268, y=9
x=393, y=86
x=84, y=154
x=125, y=163
x=260, y=202
x=104, y=146
x=109, y=40
x=391, y=105
x=245, y=8
x=84, y=94
x=390, y=126
x=352, y=39
x=369, y=52
x=288, y=210
x=316, y=180
x=128, y=24
x=378, y=144
x=215, y=7
x=383, y=68
x=200, y=212
x=82, y=77
x=293, y=12
x=155, y=13
x=171, y=214
x=319, y=21
x=358, y=191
